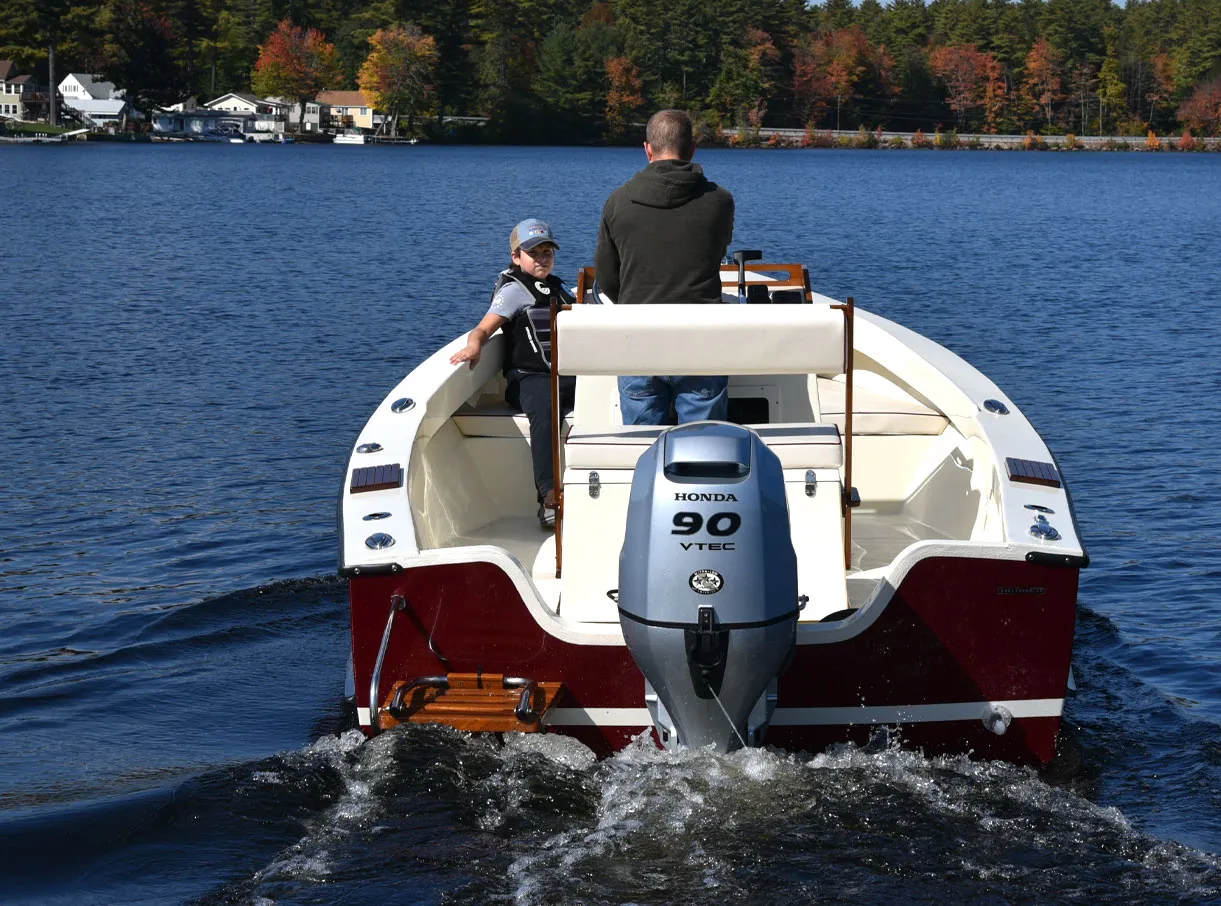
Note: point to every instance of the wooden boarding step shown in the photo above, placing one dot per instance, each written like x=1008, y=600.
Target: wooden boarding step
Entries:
x=474, y=702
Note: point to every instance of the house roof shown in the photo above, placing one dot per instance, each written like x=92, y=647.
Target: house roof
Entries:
x=97, y=105
x=97, y=89
x=7, y=68
x=343, y=98
x=21, y=79
x=252, y=99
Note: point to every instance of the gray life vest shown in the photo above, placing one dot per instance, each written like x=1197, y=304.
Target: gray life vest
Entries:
x=529, y=331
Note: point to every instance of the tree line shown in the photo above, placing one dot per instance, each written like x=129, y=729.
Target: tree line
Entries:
x=576, y=71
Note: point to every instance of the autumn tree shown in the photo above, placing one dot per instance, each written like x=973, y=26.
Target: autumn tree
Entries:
x=1202, y=111
x=295, y=63
x=1042, y=84
x=830, y=66
x=963, y=71
x=623, y=97
x=397, y=76
x=996, y=90
x=1162, y=88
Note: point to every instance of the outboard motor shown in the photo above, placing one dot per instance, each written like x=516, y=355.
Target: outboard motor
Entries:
x=708, y=583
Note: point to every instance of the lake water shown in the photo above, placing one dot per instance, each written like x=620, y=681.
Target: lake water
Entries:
x=191, y=338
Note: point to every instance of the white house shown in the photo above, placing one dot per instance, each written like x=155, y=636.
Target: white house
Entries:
x=96, y=103
x=199, y=122
x=260, y=114
x=315, y=113
x=79, y=86
x=98, y=114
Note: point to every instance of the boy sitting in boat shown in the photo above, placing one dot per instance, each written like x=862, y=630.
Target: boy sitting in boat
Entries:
x=523, y=298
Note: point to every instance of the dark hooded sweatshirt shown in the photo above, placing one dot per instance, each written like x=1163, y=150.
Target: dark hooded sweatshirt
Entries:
x=663, y=235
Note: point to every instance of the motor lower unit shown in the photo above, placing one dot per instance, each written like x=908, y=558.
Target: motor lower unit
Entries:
x=708, y=583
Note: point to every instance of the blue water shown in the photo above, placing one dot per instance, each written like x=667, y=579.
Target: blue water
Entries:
x=190, y=339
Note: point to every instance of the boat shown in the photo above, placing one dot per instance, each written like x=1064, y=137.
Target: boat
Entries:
x=877, y=545
x=350, y=137
x=226, y=134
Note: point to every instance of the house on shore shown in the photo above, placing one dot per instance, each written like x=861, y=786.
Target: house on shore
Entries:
x=96, y=102
x=197, y=122
x=257, y=114
x=349, y=110
x=13, y=91
x=316, y=114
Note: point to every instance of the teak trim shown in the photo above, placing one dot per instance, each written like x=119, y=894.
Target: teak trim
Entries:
x=849, y=310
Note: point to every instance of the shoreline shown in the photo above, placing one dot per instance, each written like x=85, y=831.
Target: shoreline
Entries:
x=758, y=139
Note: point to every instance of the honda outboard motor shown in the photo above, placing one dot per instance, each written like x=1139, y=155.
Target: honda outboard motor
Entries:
x=708, y=583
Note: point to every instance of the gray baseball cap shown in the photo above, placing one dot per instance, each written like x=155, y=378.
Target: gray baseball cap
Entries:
x=529, y=233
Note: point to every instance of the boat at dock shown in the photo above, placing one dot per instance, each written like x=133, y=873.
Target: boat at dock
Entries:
x=877, y=541
x=350, y=137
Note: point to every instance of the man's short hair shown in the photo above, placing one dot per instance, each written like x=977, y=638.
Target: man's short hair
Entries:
x=670, y=132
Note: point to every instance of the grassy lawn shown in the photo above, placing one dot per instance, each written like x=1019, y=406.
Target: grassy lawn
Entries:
x=15, y=128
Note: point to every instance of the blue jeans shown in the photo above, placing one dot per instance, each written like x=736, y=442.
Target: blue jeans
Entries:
x=646, y=400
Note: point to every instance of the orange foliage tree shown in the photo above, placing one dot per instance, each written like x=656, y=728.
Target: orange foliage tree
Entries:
x=1162, y=87
x=973, y=79
x=624, y=96
x=1043, y=81
x=397, y=76
x=830, y=66
x=1202, y=111
x=295, y=63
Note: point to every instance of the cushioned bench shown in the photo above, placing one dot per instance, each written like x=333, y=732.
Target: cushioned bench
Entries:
x=877, y=411
x=497, y=419
x=619, y=447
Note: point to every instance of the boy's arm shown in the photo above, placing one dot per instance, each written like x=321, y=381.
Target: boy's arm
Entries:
x=474, y=342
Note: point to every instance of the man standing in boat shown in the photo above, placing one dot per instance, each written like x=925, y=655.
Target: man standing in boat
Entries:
x=523, y=298
x=662, y=237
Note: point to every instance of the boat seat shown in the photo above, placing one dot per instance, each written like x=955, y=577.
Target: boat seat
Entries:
x=799, y=446
x=496, y=419
x=878, y=410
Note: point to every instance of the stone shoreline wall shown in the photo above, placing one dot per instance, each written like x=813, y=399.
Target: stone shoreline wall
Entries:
x=831, y=138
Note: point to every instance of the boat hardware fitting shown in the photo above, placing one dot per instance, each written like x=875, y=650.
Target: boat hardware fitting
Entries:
x=595, y=485
x=369, y=448
x=997, y=719
x=397, y=603
x=402, y=405
x=523, y=711
x=811, y=483
x=1044, y=530
x=996, y=407
x=371, y=517
x=379, y=541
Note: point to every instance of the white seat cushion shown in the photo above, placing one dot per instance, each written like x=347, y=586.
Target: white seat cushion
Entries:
x=877, y=411
x=608, y=446
x=494, y=420
x=815, y=446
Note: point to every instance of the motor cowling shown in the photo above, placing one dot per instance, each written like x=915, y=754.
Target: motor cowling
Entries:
x=708, y=581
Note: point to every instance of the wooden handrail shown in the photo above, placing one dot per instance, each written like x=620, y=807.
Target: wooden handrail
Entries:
x=849, y=310
x=795, y=272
